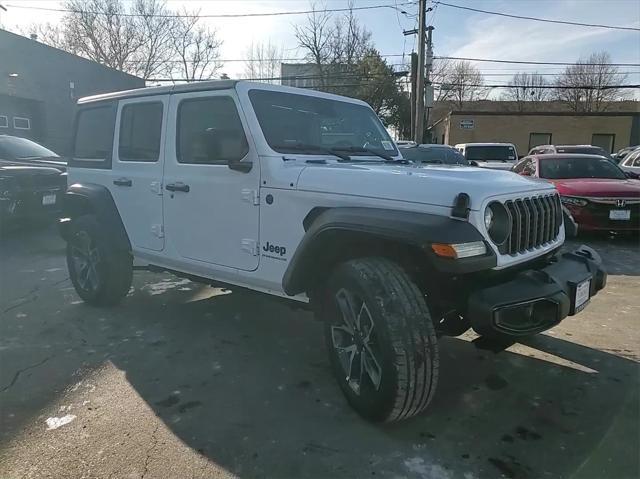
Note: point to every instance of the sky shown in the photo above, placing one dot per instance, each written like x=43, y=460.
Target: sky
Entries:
x=457, y=32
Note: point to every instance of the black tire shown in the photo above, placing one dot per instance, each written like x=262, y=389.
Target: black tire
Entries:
x=106, y=278
x=400, y=380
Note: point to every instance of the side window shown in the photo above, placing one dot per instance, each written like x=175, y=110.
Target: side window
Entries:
x=209, y=131
x=520, y=166
x=140, y=132
x=94, y=134
x=530, y=168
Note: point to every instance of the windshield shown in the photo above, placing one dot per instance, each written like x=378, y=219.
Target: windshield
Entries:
x=579, y=167
x=289, y=120
x=490, y=153
x=582, y=150
x=441, y=154
x=15, y=148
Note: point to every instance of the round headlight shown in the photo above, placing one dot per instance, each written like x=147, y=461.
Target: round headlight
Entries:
x=498, y=220
x=488, y=218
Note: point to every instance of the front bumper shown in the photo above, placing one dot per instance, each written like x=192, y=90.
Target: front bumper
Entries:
x=537, y=299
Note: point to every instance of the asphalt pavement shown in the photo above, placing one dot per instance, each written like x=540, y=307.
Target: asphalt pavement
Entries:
x=184, y=380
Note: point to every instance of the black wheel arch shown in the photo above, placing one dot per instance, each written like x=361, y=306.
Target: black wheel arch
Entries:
x=334, y=234
x=91, y=198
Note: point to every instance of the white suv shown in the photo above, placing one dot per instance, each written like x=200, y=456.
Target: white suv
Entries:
x=302, y=195
x=495, y=156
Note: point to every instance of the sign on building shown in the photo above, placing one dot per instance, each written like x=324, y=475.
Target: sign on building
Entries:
x=467, y=124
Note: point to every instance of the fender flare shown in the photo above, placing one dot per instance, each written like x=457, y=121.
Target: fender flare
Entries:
x=92, y=198
x=407, y=227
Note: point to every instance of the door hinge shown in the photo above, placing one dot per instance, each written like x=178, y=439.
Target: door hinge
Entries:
x=158, y=230
x=252, y=196
x=156, y=187
x=250, y=246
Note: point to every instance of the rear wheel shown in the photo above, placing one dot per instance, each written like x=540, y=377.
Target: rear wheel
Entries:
x=381, y=340
x=100, y=273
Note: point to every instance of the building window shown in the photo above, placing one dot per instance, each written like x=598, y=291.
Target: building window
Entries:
x=536, y=139
x=140, y=131
x=605, y=141
x=20, y=123
x=210, y=131
x=4, y=121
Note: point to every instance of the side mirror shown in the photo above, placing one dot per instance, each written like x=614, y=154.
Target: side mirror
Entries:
x=242, y=166
x=473, y=163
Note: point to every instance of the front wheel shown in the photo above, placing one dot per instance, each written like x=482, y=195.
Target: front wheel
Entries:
x=100, y=273
x=381, y=340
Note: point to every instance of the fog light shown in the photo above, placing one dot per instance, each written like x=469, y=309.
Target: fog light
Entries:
x=459, y=250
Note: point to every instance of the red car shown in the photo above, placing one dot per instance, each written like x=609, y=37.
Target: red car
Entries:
x=597, y=193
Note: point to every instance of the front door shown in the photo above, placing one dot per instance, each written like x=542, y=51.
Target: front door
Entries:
x=138, y=161
x=210, y=194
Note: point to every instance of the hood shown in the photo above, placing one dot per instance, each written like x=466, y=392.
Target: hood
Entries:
x=428, y=184
x=15, y=169
x=594, y=187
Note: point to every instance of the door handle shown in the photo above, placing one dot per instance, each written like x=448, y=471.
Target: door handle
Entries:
x=122, y=182
x=178, y=186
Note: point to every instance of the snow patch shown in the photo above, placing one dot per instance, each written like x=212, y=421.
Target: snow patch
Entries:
x=56, y=422
x=418, y=466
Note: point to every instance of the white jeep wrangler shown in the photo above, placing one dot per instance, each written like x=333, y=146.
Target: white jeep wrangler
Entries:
x=303, y=195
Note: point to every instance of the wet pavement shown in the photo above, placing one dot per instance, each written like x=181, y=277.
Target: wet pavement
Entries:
x=184, y=380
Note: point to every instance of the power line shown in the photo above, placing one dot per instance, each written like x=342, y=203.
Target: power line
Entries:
x=536, y=19
x=218, y=15
x=521, y=62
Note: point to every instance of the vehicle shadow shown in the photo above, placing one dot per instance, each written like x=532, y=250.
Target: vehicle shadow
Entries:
x=256, y=396
x=245, y=382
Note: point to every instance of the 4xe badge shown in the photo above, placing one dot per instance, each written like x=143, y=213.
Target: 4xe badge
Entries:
x=280, y=251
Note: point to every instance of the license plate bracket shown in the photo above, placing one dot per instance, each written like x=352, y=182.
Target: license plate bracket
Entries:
x=620, y=215
x=48, y=199
x=581, y=295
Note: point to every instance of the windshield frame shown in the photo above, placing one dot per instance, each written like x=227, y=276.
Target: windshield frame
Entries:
x=315, y=105
x=575, y=157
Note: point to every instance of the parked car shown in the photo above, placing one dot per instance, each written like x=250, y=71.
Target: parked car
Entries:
x=623, y=152
x=577, y=149
x=433, y=154
x=631, y=163
x=31, y=187
x=495, y=156
x=405, y=143
x=23, y=150
x=595, y=190
x=245, y=184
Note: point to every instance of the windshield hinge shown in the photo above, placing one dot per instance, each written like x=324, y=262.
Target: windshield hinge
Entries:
x=250, y=246
x=251, y=196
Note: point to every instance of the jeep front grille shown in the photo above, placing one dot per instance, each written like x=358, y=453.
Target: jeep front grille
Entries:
x=534, y=222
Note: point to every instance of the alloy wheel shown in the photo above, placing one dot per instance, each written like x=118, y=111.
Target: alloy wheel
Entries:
x=86, y=258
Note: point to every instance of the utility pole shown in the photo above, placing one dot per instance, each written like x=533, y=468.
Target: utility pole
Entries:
x=419, y=95
x=429, y=86
x=412, y=100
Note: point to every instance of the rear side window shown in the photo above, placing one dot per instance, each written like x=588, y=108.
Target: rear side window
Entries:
x=94, y=136
x=140, y=132
x=210, y=131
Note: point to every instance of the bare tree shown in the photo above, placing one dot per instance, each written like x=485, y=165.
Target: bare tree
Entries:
x=589, y=85
x=527, y=87
x=334, y=45
x=196, y=48
x=263, y=61
x=143, y=38
x=461, y=82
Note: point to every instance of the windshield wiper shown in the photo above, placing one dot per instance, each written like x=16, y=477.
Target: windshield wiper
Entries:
x=312, y=148
x=362, y=149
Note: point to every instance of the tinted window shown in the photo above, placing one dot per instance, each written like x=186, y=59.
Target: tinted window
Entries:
x=519, y=168
x=210, y=131
x=288, y=119
x=579, y=167
x=490, y=153
x=441, y=155
x=14, y=148
x=94, y=133
x=582, y=150
x=140, y=131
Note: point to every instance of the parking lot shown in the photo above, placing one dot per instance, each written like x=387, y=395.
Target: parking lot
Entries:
x=185, y=380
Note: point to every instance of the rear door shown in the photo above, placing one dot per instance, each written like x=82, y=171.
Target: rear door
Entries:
x=210, y=201
x=137, y=167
